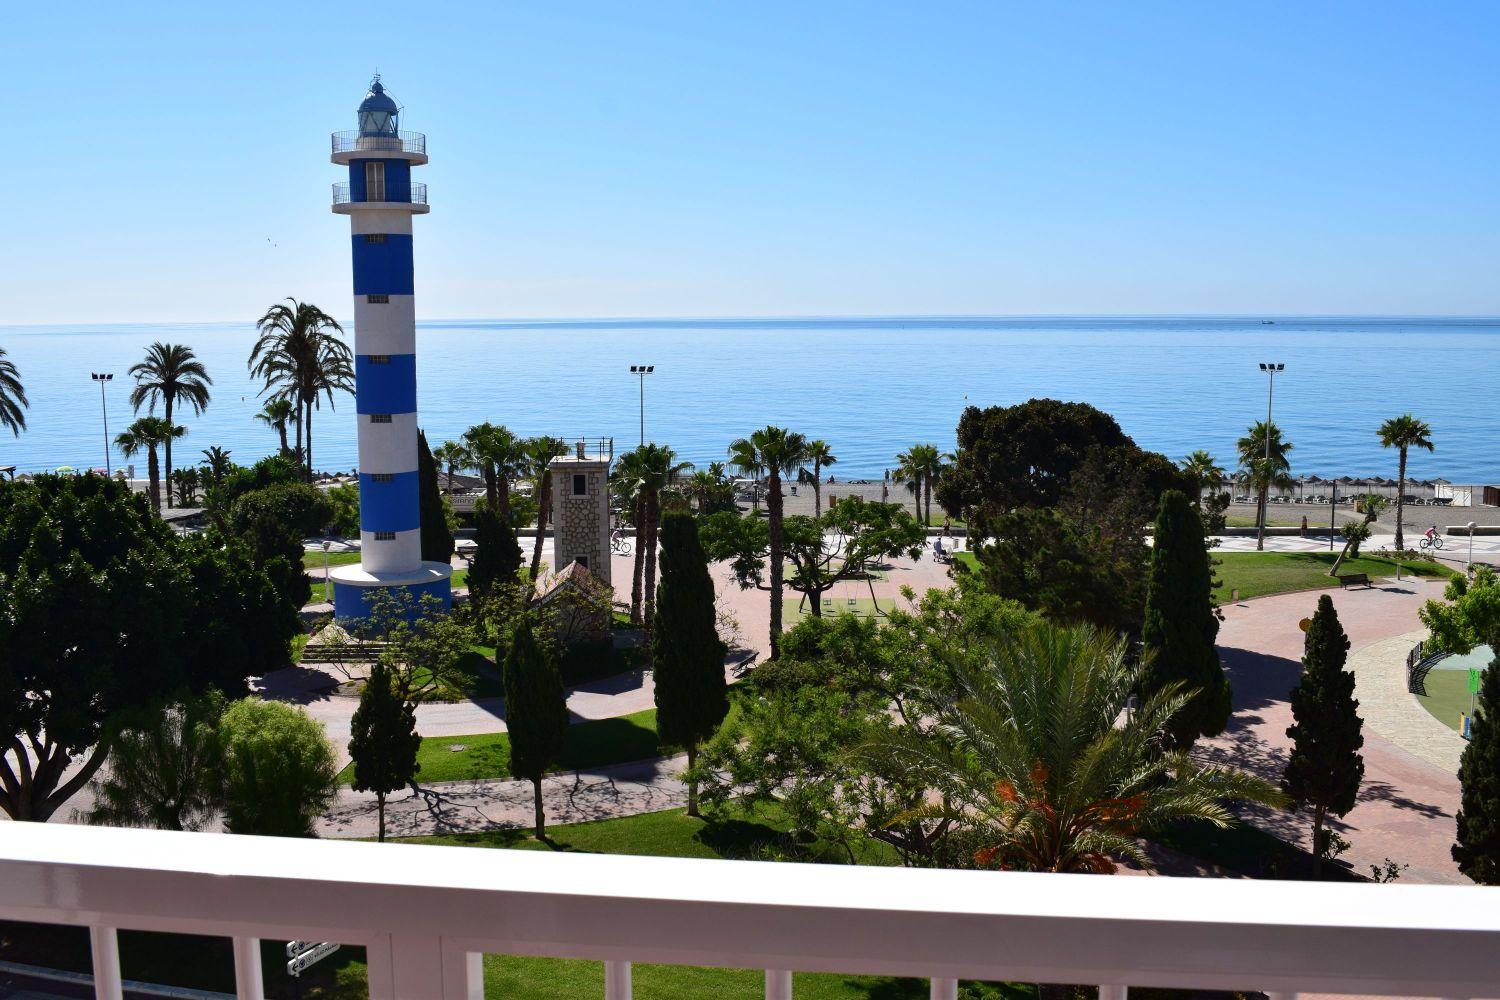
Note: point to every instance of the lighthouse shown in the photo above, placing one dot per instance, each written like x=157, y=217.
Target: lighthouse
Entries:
x=381, y=200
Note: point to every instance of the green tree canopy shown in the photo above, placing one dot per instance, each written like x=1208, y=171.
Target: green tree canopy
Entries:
x=497, y=555
x=104, y=609
x=536, y=713
x=165, y=768
x=383, y=741
x=280, y=772
x=437, y=537
x=1325, y=766
x=1180, y=624
x=691, y=695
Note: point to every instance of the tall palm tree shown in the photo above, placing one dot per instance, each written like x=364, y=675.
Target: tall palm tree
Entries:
x=821, y=456
x=170, y=373
x=1404, y=433
x=12, y=397
x=498, y=453
x=780, y=454
x=1039, y=753
x=278, y=414
x=1204, y=471
x=659, y=468
x=1267, y=467
x=918, y=467
x=537, y=455
x=217, y=464
x=453, y=456
x=302, y=357
x=626, y=481
x=186, y=481
x=147, y=434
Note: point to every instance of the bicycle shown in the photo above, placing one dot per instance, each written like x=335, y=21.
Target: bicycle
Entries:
x=1435, y=542
x=618, y=544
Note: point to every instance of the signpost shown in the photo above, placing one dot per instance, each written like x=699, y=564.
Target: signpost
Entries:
x=303, y=954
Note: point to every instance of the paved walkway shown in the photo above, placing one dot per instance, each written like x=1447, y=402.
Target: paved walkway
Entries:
x=1391, y=710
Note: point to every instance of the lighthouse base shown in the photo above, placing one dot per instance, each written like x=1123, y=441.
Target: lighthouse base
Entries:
x=354, y=585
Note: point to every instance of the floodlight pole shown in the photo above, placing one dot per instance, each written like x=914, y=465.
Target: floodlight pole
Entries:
x=641, y=371
x=101, y=378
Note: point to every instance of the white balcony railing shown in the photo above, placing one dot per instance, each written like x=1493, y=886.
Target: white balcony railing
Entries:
x=426, y=914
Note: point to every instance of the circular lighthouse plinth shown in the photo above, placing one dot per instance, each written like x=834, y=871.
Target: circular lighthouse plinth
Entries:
x=352, y=586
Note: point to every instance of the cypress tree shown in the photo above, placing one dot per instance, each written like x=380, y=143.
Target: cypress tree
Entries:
x=497, y=555
x=437, y=540
x=1180, y=624
x=1477, y=850
x=536, y=712
x=1325, y=766
x=691, y=696
x=383, y=741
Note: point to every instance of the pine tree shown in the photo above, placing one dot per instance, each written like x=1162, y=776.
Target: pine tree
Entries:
x=1325, y=766
x=497, y=555
x=383, y=741
x=536, y=712
x=437, y=540
x=1180, y=624
x=691, y=696
x=1477, y=850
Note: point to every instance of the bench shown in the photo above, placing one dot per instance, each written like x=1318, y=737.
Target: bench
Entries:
x=1348, y=580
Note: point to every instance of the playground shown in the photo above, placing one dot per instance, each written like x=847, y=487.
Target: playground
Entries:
x=1445, y=690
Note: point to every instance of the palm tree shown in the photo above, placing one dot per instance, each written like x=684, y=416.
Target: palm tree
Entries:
x=453, y=457
x=626, y=484
x=12, y=397
x=1204, y=471
x=498, y=453
x=821, y=456
x=302, y=357
x=1404, y=432
x=217, y=465
x=1040, y=753
x=537, y=455
x=780, y=454
x=148, y=433
x=277, y=414
x=918, y=467
x=186, y=481
x=171, y=372
x=659, y=468
x=1267, y=467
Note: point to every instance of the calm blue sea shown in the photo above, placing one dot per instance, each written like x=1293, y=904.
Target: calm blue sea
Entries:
x=868, y=386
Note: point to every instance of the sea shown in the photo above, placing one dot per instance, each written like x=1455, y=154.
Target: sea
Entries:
x=871, y=387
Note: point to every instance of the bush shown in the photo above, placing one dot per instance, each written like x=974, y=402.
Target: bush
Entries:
x=279, y=769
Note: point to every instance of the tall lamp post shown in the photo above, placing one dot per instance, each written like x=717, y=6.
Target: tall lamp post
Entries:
x=1271, y=369
x=641, y=371
x=1470, y=566
x=101, y=378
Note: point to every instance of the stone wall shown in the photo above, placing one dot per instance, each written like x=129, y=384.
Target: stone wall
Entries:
x=580, y=524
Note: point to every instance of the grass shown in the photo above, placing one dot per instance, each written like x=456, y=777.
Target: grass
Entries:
x=589, y=744
x=1245, y=849
x=1447, y=697
x=793, y=608
x=1242, y=521
x=314, y=560
x=1256, y=574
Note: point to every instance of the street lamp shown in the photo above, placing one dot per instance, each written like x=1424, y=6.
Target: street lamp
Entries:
x=1470, y=566
x=641, y=371
x=101, y=378
x=1270, y=368
x=327, y=583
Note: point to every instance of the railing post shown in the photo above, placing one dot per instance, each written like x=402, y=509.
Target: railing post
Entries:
x=943, y=989
x=1281, y=996
x=422, y=967
x=778, y=984
x=248, y=981
x=616, y=981
x=1112, y=992
x=104, y=944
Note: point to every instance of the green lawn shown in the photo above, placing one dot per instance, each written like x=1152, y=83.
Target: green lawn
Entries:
x=1256, y=574
x=793, y=608
x=1242, y=521
x=589, y=744
x=1447, y=696
x=314, y=560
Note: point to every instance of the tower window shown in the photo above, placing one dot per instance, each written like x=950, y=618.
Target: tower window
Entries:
x=380, y=418
x=582, y=561
x=384, y=477
x=380, y=359
x=580, y=485
x=377, y=300
x=385, y=536
x=374, y=180
x=374, y=237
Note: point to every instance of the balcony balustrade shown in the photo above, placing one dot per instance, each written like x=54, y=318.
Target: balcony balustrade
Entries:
x=426, y=915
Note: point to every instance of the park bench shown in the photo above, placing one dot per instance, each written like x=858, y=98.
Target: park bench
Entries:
x=1348, y=580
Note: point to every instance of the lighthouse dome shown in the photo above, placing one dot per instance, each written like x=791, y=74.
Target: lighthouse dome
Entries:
x=377, y=112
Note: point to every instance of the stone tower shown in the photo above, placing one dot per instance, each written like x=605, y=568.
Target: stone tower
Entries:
x=580, y=513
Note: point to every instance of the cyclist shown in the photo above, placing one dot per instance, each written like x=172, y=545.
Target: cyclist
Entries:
x=1430, y=534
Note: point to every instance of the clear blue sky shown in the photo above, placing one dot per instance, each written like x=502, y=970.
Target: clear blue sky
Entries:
x=703, y=159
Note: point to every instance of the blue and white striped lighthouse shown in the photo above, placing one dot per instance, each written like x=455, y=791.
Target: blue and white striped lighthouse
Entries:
x=380, y=200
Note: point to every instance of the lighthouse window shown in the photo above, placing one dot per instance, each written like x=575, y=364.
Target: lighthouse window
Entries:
x=385, y=536
x=380, y=418
x=377, y=300
x=374, y=180
x=380, y=359
x=384, y=477
x=580, y=485
x=374, y=237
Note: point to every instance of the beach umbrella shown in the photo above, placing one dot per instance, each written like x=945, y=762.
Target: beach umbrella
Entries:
x=63, y=468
